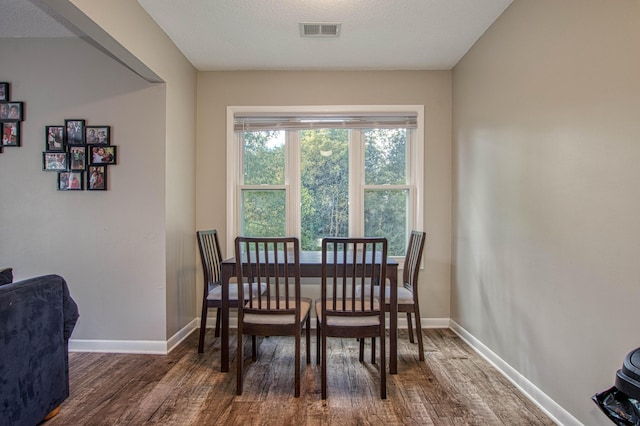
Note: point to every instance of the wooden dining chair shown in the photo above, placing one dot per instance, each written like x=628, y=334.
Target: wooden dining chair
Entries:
x=408, y=293
x=348, y=266
x=280, y=311
x=211, y=257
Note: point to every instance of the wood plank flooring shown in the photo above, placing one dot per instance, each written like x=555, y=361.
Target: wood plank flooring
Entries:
x=453, y=386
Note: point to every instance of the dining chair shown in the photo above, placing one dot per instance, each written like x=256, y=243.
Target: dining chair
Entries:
x=408, y=293
x=348, y=266
x=211, y=257
x=280, y=310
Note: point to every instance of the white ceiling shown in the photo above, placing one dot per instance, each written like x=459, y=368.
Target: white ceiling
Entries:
x=265, y=34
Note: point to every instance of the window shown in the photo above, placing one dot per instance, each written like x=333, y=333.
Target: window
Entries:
x=325, y=171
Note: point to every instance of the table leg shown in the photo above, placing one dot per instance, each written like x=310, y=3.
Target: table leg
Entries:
x=224, y=346
x=393, y=319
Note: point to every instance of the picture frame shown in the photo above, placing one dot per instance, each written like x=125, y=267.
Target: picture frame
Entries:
x=70, y=181
x=11, y=111
x=10, y=133
x=55, y=137
x=77, y=157
x=97, y=178
x=55, y=161
x=102, y=154
x=99, y=135
x=4, y=91
x=74, y=132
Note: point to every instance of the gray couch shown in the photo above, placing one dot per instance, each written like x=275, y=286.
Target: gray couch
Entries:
x=37, y=317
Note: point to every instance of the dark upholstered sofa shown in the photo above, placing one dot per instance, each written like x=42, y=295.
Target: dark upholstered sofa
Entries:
x=37, y=317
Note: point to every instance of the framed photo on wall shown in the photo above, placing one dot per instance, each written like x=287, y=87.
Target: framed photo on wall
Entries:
x=102, y=154
x=55, y=138
x=4, y=91
x=70, y=181
x=98, y=135
x=11, y=133
x=74, y=132
x=77, y=157
x=97, y=178
x=11, y=111
x=54, y=161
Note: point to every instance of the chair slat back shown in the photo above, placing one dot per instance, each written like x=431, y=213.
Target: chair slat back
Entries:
x=211, y=258
x=349, y=265
x=412, y=261
x=272, y=261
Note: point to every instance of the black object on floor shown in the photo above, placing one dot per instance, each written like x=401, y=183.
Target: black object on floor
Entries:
x=621, y=403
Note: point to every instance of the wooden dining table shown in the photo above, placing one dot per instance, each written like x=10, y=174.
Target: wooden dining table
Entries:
x=311, y=266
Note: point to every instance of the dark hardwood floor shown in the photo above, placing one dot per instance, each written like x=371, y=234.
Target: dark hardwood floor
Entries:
x=453, y=386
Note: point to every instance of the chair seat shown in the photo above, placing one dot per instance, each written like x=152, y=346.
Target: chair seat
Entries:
x=405, y=297
x=347, y=321
x=216, y=292
x=270, y=318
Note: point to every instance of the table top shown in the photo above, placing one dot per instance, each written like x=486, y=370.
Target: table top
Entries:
x=310, y=258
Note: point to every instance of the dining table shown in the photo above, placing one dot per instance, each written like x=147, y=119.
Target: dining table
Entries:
x=311, y=266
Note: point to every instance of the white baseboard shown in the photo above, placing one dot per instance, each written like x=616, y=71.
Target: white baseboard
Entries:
x=531, y=391
x=156, y=347
x=402, y=322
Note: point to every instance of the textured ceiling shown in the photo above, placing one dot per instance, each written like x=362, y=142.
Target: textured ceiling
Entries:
x=24, y=18
x=265, y=34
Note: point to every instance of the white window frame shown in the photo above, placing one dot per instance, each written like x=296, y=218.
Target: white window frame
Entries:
x=415, y=157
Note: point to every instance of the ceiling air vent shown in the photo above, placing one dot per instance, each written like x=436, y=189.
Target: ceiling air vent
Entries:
x=320, y=29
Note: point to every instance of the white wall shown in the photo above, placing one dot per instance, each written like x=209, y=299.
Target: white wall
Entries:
x=131, y=33
x=108, y=245
x=546, y=234
x=217, y=90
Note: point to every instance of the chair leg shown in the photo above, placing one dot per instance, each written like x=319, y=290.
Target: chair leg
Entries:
x=410, y=327
x=296, y=393
x=239, y=362
x=419, y=332
x=383, y=365
x=373, y=350
x=218, y=321
x=361, y=352
x=318, y=334
x=203, y=324
x=323, y=369
x=308, y=337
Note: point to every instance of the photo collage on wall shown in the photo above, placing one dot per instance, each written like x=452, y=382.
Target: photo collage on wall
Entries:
x=80, y=155
x=11, y=114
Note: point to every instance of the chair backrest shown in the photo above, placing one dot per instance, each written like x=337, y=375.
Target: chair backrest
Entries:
x=349, y=266
x=271, y=261
x=211, y=258
x=412, y=261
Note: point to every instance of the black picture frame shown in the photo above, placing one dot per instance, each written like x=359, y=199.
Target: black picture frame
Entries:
x=10, y=133
x=97, y=178
x=11, y=111
x=98, y=135
x=74, y=132
x=54, y=138
x=102, y=154
x=70, y=181
x=55, y=161
x=4, y=91
x=77, y=157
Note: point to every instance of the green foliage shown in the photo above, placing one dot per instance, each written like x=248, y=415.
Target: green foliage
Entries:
x=324, y=168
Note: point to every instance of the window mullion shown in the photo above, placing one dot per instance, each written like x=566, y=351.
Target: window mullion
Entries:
x=356, y=182
x=292, y=180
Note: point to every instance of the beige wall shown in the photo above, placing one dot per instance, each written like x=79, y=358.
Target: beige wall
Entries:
x=131, y=27
x=106, y=244
x=217, y=90
x=546, y=233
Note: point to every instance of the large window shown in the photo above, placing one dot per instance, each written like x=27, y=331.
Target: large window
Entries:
x=336, y=172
